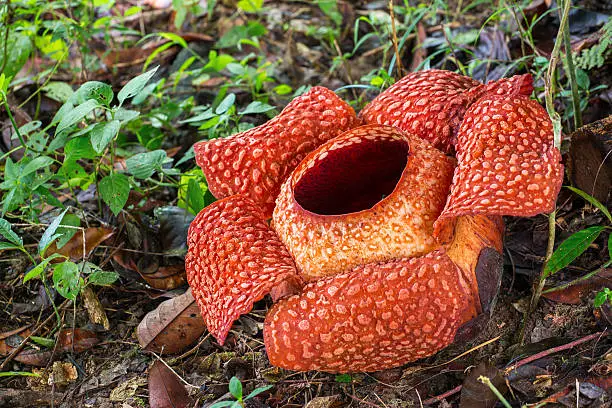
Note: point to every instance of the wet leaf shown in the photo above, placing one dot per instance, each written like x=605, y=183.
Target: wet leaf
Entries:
x=165, y=388
x=172, y=327
x=77, y=340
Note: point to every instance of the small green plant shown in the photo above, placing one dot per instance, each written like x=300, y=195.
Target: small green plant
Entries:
x=603, y=296
x=235, y=388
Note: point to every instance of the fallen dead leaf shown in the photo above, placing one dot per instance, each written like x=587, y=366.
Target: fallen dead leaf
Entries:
x=165, y=388
x=96, y=311
x=126, y=389
x=77, y=340
x=62, y=374
x=73, y=249
x=475, y=394
x=173, y=326
x=573, y=294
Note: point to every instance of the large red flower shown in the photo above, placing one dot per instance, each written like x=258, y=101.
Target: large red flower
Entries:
x=383, y=234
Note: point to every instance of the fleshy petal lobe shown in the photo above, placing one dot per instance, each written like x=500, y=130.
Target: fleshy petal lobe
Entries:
x=234, y=259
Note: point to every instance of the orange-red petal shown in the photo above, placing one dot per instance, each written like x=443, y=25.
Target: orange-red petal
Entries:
x=429, y=104
x=255, y=162
x=508, y=164
x=370, y=195
x=234, y=259
x=375, y=317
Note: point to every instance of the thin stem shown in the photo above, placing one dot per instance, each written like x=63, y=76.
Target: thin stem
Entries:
x=578, y=280
x=569, y=60
x=486, y=381
x=10, y=115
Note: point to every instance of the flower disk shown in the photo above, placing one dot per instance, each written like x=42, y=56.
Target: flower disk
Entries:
x=256, y=162
x=370, y=195
x=234, y=260
x=375, y=317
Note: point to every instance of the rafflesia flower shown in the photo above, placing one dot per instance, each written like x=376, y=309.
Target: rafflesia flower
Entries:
x=380, y=224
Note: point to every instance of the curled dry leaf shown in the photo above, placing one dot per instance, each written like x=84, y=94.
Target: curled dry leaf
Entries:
x=174, y=325
x=166, y=389
x=572, y=294
x=94, y=307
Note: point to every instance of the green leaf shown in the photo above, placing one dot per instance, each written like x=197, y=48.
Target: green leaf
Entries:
x=257, y=107
x=225, y=104
x=135, y=85
x=282, y=89
x=235, y=387
x=7, y=232
x=66, y=279
x=79, y=148
x=571, y=249
x=195, y=196
x=344, y=378
x=19, y=47
x=58, y=91
x=610, y=246
x=114, y=190
x=36, y=271
x=76, y=114
x=96, y=90
x=7, y=245
x=103, y=278
x=250, y=6
x=258, y=391
x=102, y=134
x=591, y=200
x=143, y=165
x=220, y=404
x=49, y=235
x=126, y=115
x=69, y=220
x=38, y=163
x=16, y=373
x=601, y=297
x=43, y=341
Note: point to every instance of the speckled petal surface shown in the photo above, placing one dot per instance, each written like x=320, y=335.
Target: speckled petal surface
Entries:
x=255, y=163
x=370, y=195
x=507, y=162
x=234, y=259
x=429, y=104
x=375, y=317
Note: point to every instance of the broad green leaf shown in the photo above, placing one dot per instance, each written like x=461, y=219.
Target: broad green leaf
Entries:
x=235, y=387
x=250, y=6
x=61, y=112
x=36, y=271
x=96, y=90
x=49, y=234
x=591, y=200
x=103, y=278
x=114, y=190
x=69, y=220
x=344, y=378
x=135, y=85
x=195, y=196
x=218, y=62
x=52, y=47
x=7, y=245
x=225, y=104
x=7, y=232
x=257, y=107
x=282, y=89
x=258, y=391
x=126, y=115
x=19, y=47
x=67, y=279
x=79, y=148
x=76, y=114
x=58, y=91
x=38, y=163
x=102, y=134
x=601, y=297
x=571, y=249
x=143, y=165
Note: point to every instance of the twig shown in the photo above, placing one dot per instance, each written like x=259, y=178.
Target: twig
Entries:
x=440, y=397
x=569, y=60
x=371, y=404
x=553, y=350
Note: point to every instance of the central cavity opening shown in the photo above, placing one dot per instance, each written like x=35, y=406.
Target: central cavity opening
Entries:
x=352, y=178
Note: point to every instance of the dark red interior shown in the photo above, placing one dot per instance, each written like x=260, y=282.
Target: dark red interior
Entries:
x=353, y=178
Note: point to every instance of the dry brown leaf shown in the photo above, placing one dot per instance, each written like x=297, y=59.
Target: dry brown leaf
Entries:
x=572, y=295
x=164, y=277
x=96, y=311
x=166, y=389
x=77, y=340
x=73, y=249
x=173, y=326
